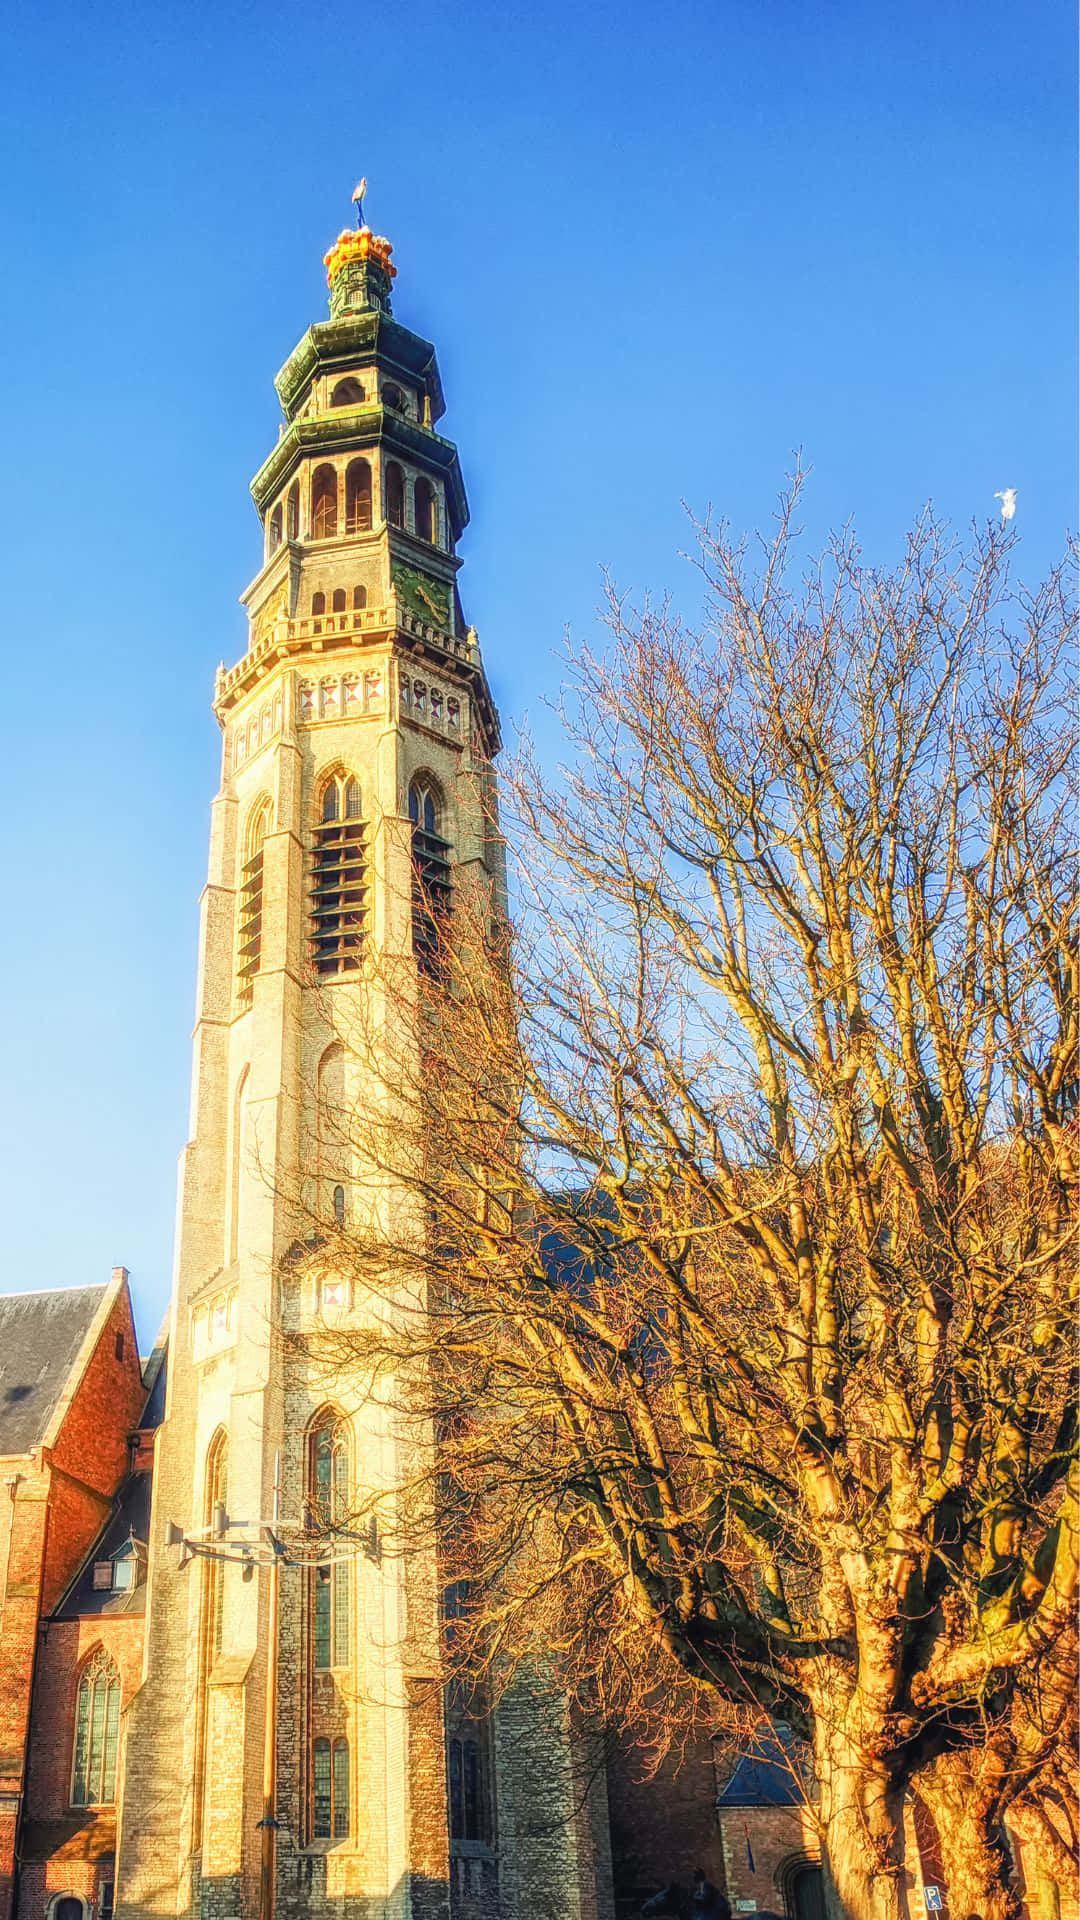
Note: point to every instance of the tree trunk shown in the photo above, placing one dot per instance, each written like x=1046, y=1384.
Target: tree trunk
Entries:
x=960, y=1791
x=862, y=1835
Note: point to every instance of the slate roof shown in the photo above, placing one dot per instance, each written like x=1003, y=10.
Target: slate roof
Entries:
x=40, y=1336
x=130, y=1517
x=765, y=1778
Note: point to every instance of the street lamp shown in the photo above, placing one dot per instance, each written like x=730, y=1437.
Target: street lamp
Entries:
x=272, y=1545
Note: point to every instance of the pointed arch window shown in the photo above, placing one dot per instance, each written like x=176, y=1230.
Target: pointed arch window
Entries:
x=212, y=1611
x=97, y=1729
x=330, y=1790
x=292, y=513
x=424, y=510
x=358, y=497
x=431, y=892
x=328, y=1507
x=324, y=503
x=395, y=494
x=251, y=903
x=339, y=889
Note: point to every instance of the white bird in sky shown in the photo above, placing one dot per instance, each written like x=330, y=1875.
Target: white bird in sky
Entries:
x=1008, y=502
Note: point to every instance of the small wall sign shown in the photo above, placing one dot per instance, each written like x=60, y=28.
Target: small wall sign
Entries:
x=934, y=1901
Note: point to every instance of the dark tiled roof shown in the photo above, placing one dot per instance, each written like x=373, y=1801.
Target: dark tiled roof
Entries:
x=40, y=1335
x=130, y=1516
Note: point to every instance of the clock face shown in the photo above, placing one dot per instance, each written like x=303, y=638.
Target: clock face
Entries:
x=423, y=595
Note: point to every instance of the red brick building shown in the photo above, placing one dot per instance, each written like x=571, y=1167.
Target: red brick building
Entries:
x=75, y=1492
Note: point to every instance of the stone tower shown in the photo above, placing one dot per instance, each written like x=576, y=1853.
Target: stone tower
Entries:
x=358, y=739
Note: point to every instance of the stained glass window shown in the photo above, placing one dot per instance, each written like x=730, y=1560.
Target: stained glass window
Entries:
x=97, y=1726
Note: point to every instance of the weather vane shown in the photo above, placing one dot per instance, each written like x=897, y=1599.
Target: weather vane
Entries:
x=358, y=200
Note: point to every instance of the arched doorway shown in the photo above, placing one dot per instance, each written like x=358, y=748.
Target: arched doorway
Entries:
x=806, y=1893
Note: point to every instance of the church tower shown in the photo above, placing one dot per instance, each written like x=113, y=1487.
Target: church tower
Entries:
x=358, y=735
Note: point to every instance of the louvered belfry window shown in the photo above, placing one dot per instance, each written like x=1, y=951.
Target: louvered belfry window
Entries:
x=431, y=875
x=249, y=944
x=339, y=886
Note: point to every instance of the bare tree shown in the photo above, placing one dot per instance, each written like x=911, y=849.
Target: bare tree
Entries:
x=738, y=1192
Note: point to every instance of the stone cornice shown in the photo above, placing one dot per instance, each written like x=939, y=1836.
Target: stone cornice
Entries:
x=313, y=637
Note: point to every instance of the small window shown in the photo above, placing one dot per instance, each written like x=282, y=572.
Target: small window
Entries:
x=119, y=1346
x=338, y=602
x=123, y=1573
x=318, y=603
x=424, y=510
x=292, y=513
x=393, y=397
x=274, y=539
x=102, y=1578
x=347, y=393
x=358, y=497
x=395, y=494
x=324, y=503
x=108, y=1896
x=339, y=1206
x=359, y=597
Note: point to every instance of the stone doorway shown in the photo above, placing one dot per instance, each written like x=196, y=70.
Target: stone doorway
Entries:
x=806, y=1894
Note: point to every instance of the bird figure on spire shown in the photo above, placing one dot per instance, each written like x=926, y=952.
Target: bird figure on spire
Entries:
x=358, y=200
x=1007, y=496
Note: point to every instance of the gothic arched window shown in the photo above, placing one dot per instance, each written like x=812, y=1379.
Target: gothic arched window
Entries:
x=358, y=497
x=212, y=1610
x=97, y=1728
x=395, y=494
x=431, y=873
x=330, y=1789
x=424, y=510
x=292, y=513
x=324, y=493
x=469, y=1792
x=328, y=1506
x=251, y=901
x=338, y=911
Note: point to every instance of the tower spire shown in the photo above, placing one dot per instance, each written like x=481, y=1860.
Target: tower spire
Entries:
x=358, y=268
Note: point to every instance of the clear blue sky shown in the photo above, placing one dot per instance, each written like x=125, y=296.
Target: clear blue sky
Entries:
x=657, y=249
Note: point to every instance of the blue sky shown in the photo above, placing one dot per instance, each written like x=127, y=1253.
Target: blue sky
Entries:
x=657, y=250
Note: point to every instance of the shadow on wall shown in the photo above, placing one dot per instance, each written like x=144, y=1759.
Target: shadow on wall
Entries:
x=301, y=1895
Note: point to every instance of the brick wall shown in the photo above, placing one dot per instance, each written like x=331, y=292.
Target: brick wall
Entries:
x=52, y=1507
x=662, y=1825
